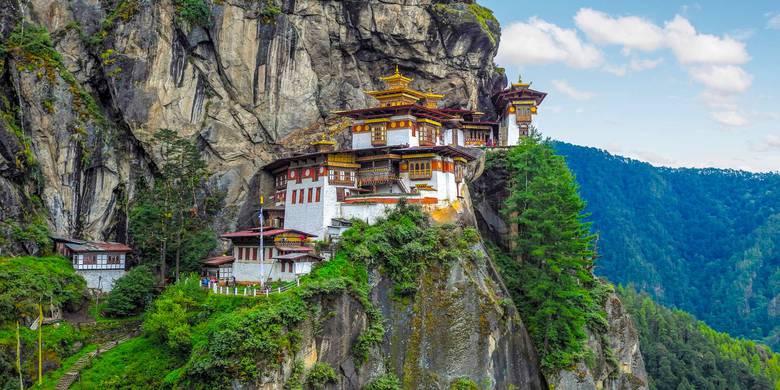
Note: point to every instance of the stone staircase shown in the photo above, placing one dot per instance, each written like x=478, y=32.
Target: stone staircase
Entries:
x=73, y=373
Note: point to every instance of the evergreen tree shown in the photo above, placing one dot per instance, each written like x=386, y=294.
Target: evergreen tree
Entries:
x=553, y=254
x=170, y=218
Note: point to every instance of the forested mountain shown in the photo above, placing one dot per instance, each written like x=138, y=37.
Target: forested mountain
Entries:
x=706, y=241
x=681, y=352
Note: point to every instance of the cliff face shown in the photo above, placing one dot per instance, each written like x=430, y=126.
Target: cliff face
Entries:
x=256, y=72
x=459, y=325
x=618, y=363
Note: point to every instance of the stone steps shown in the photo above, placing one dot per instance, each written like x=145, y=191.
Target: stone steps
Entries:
x=73, y=373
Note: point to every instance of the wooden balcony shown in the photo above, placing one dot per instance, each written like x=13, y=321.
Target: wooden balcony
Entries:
x=372, y=176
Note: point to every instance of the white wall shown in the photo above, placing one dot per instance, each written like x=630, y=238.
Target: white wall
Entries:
x=308, y=217
x=513, y=131
x=105, y=278
x=401, y=136
x=361, y=140
x=365, y=212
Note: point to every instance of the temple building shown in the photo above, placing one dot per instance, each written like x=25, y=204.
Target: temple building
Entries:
x=100, y=263
x=516, y=107
x=404, y=147
x=281, y=260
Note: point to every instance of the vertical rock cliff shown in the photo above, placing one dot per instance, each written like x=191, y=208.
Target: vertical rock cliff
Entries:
x=238, y=81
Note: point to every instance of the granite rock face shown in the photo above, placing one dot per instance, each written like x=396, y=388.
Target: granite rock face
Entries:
x=459, y=325
x=240, y=85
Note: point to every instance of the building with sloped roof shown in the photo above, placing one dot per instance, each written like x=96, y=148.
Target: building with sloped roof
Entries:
x=101, y=263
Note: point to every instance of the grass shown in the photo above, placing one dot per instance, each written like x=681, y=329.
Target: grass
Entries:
x=51, y=378
x=136, y=363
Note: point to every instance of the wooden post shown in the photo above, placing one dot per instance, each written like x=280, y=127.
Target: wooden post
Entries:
x=40, y=345
x=19, y=356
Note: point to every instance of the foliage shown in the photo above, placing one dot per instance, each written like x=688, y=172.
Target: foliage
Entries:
x=484, y=17
x=124, y=11
x=194, y=12
x=135, y=364
x=131, y=293
x=295, y=381
x=59, y=342
x=27, y=281
x=549, y=270
x=32, y=48
x=320, y=375
x=702, y=240
x=170, y=218
x=463, y=384
x=387, y=381
x=269, y=11
x=678, y=349
x=403, y=244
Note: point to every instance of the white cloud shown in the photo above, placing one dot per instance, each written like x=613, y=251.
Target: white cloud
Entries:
x=726, y=78
x=635, y=65
x=565, y=88
x=538, y=42
x=690, y=47
x=774, y=21
x=629, y=31
x=730, y=118
x=772, y=141
x=638, y=65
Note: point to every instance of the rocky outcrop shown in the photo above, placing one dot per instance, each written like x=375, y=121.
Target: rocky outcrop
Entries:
x=240, y=84
x=622, y=341
x=459, y=325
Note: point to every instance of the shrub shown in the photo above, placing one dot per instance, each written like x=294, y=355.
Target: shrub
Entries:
x=463, y=384
x=131, y=293
x=195, y=12
x=26, y=281
x=320, y=375
x=387, y=381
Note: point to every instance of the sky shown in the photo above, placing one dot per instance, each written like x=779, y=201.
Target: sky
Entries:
x=673, y=83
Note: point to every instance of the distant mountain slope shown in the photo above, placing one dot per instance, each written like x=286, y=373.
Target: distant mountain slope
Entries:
x=704, y=240
x=683, y=353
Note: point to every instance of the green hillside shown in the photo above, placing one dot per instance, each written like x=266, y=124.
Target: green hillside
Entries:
x=706, y=241
x=681, y=352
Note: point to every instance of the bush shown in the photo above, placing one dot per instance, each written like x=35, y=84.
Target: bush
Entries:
x=385, y=382
x=320, y=375
x=131, y=293
x=463, y=384
x=26, y=281
x=195, y=12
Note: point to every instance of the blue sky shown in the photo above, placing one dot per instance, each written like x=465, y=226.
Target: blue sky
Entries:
x=673, y=83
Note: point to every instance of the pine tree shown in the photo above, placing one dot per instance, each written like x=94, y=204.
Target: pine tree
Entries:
x=170, y=218
x=554, y=250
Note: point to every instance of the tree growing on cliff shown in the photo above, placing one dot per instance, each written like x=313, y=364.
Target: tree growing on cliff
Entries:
x=170, y=217
x=553, y=254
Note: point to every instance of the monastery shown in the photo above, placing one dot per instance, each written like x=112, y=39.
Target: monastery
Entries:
x=405, y=147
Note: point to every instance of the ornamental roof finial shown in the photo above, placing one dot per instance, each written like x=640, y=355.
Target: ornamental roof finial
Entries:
x=396, y=69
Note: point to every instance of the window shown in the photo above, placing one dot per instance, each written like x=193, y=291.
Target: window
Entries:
x=420, y=169
x=319, y=193
x=300, y=195
x=113, y=259
x=308, y=198
x=293, y=196
x=341, y=194
x=281, y=181
x=254, y=253
x=427, y=135
x=90, y=259
x=378, y=134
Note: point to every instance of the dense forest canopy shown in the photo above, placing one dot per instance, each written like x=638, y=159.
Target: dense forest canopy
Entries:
x=703, y=240
x=681, y=352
